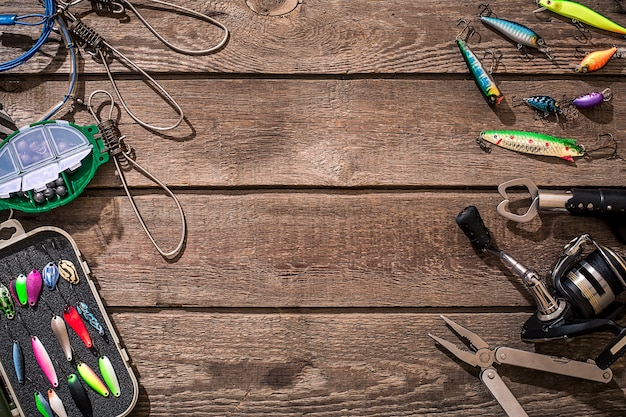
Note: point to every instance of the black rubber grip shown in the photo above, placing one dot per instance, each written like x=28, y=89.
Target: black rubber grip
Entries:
x=471, y=223
x=600, y=202
x=613, y=351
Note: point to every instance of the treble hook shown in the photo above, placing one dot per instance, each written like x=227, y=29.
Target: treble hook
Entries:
x=611, y=144
x=583, y=30
x=496, y=57
x=541, y=9
x=468, y=29
x=116, y=146
x=485, y=10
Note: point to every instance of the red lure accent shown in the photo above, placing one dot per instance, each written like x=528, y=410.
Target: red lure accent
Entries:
x=71, y=317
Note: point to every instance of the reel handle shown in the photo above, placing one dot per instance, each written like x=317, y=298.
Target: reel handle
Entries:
x=471, y=223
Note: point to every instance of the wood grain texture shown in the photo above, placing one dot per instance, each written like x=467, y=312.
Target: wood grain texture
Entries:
x=324, y=156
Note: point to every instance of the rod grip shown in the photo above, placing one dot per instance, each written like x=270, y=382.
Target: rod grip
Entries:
x=471, y=223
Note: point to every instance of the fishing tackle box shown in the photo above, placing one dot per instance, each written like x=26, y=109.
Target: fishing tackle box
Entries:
x=19, y=254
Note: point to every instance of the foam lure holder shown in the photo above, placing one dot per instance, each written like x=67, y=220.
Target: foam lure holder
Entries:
x=59, y=353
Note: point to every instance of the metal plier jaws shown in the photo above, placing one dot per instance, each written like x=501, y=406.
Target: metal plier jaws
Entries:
x=605, y=203
x=485, y=357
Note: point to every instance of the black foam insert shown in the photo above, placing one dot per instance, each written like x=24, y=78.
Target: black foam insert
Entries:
x=34, y=252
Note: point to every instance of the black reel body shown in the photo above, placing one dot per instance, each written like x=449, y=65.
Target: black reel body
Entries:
x=579, y=295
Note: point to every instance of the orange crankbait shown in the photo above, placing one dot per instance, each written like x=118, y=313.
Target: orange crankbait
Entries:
x=593, y=61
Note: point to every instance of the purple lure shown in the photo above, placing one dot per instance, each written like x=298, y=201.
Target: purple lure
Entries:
x=591, y=100
x=33, y=286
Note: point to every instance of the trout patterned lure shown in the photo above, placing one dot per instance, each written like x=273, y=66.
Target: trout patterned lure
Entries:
x=68, y=272
x=596, y=60
x=43, y=359
x=485, y=83
x=42, y=405
x=72, y=318
x=56, y=404
x=84, y=312
x=79, y=395
x=531, y=143
x=580, y=13
x=518, y=33
x=593, y=99
x=91, y=378
x=50, y=275
x=6, y=302
x=109, y=375
x=60, y=332
x=33, y=287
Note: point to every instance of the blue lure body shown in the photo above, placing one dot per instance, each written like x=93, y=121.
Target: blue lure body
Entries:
x=18, y=361
x=518, y=33
x=50, y=275
x=83, y=310
x=485, y=83
x=545, y=104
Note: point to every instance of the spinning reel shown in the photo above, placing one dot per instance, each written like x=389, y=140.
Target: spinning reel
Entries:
x=579, y=296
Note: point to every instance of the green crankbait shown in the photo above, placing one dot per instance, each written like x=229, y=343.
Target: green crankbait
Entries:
x=580, y=13
x=531, y=143
x=483, y=79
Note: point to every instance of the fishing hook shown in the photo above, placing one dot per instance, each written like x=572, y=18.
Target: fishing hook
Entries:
x=583, y=30
x=468, y=29
x=485, y=10
x=496, y=57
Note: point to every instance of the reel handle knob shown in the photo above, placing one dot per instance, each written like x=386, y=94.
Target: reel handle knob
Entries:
x=471, y=223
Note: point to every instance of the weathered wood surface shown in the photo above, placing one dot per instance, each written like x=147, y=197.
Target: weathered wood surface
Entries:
x=323, y=159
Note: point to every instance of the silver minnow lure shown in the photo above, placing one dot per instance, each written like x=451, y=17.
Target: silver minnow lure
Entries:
x=518, y=33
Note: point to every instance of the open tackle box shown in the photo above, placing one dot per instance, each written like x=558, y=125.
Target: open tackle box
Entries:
x=73, y=302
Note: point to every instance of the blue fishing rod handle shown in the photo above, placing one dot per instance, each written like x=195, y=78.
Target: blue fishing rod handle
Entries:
x=8, y=19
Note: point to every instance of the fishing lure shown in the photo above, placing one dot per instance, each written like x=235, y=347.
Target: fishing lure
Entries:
x=43, y=359
x=33, y=287
x=79, y=395
x=68, y=272
x=580, y=13
x=596, y=60
x=84, y=312
x=42, y=405
x=531, y=143
x=71, y=317
x=91, y=378
x=485, y=83
x=19, y=290
x=593, y=99
x=109, y=375
x=56, y=404
x=60, y=332
x=18, y=361
x=544, y=104
x=50, y=275
x=518, y=33
x=6, y=302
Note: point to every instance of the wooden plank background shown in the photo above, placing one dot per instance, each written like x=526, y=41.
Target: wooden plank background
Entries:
x=324, y=156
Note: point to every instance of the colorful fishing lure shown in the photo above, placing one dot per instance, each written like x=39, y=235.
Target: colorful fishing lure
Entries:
x=580, y=13
x=43, y=359
x=42, y=405
x=545, y=104
x=6, y=302
x=91, y=378
x=60, y=332
x=84, y=312
x=50, y=275
x=593, y=99
x=79, y=395
x=109, y=375
x=19, y=290
x=596, y=60
x=56, y=404
x=531, y=143
x=485, y=83
x=34, y=283
x=71, y=317
x=518, y=33
x=68, y=272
